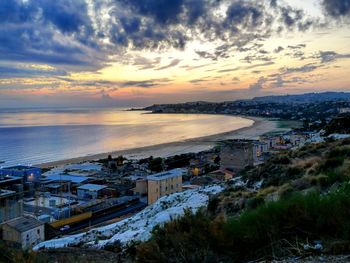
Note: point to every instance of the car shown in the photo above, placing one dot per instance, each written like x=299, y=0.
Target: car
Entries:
x=65, y=228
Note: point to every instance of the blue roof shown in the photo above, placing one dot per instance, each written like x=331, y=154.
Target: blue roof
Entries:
x=92, y=187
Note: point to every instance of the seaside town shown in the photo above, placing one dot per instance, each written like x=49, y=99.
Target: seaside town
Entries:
x=174, y=131
x=40, y=204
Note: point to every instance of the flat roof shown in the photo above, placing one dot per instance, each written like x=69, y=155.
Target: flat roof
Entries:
x=23, y=224
x=63, y=177
x=166, y=175
x=92, y=187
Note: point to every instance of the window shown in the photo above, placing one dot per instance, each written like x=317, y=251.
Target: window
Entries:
x=38, y=231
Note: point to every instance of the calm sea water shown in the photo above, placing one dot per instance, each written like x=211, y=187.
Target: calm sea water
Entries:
x=38, y=136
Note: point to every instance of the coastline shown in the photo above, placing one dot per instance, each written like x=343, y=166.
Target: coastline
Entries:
x=259, y=127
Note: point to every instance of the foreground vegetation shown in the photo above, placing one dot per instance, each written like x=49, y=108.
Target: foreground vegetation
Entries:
x=273, y=230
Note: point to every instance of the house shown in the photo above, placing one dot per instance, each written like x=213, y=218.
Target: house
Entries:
x=235, y=155
x=164, y=183
x=259, y=148
x=26, y=231
x=90, y=191
x=11, y=205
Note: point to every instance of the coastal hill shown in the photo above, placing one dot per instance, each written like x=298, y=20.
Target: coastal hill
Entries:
x=311, y=108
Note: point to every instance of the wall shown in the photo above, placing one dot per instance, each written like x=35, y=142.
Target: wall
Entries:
x=236, y=157
x=32, y=237
x=159, y=188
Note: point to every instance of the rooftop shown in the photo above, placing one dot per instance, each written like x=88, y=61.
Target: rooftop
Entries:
x=165, y=175
x=92, y=187
x=23, y=224
x=72, y=178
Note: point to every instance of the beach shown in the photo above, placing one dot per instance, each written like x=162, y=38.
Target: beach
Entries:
x=260, y=126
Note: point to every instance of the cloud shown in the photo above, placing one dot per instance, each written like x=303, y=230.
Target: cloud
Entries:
x=247, y=67
x=146, y=63
x=278, y=49
x=330, y=56
x=337, y=8
x=86, y=35
x=173, y=63
x=299, y=46
x=144, y=83
x=21, y=71
x=259, y=85
x=303, y=69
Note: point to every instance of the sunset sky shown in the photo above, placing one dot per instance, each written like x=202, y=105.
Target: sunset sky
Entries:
x=139, y=52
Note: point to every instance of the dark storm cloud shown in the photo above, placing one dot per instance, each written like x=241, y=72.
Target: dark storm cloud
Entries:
x=82, y=35
x=337, y=8
x=49, y=32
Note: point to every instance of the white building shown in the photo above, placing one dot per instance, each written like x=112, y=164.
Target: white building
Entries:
x=26, y=231
x=164, y=183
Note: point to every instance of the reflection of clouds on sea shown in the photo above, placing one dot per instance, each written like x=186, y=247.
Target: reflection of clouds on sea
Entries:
x=60, y=135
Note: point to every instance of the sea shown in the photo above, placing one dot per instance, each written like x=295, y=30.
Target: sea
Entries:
x=36, y=136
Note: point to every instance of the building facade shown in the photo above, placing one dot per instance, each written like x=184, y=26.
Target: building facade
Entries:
x=164, y=183
x=236, y=155
x=26, y=231
x=11, y=205
x=90, y=191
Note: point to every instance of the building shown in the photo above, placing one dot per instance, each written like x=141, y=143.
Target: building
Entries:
x=222, y=175
x=140, y=187
x=11, y=205
x=26, y=231
x=164, y=183
x=90, y=191
x=235, y=155
x=28, y=173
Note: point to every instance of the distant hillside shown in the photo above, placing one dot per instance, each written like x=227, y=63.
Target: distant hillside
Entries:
x=305, y=98
x=312, y=107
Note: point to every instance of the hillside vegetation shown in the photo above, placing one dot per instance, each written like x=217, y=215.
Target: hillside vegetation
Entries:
x=303, y=203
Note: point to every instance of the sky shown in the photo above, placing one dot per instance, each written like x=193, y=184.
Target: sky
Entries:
x=91, y=53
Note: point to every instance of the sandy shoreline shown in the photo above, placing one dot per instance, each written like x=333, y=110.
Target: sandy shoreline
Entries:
x=260, y=127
